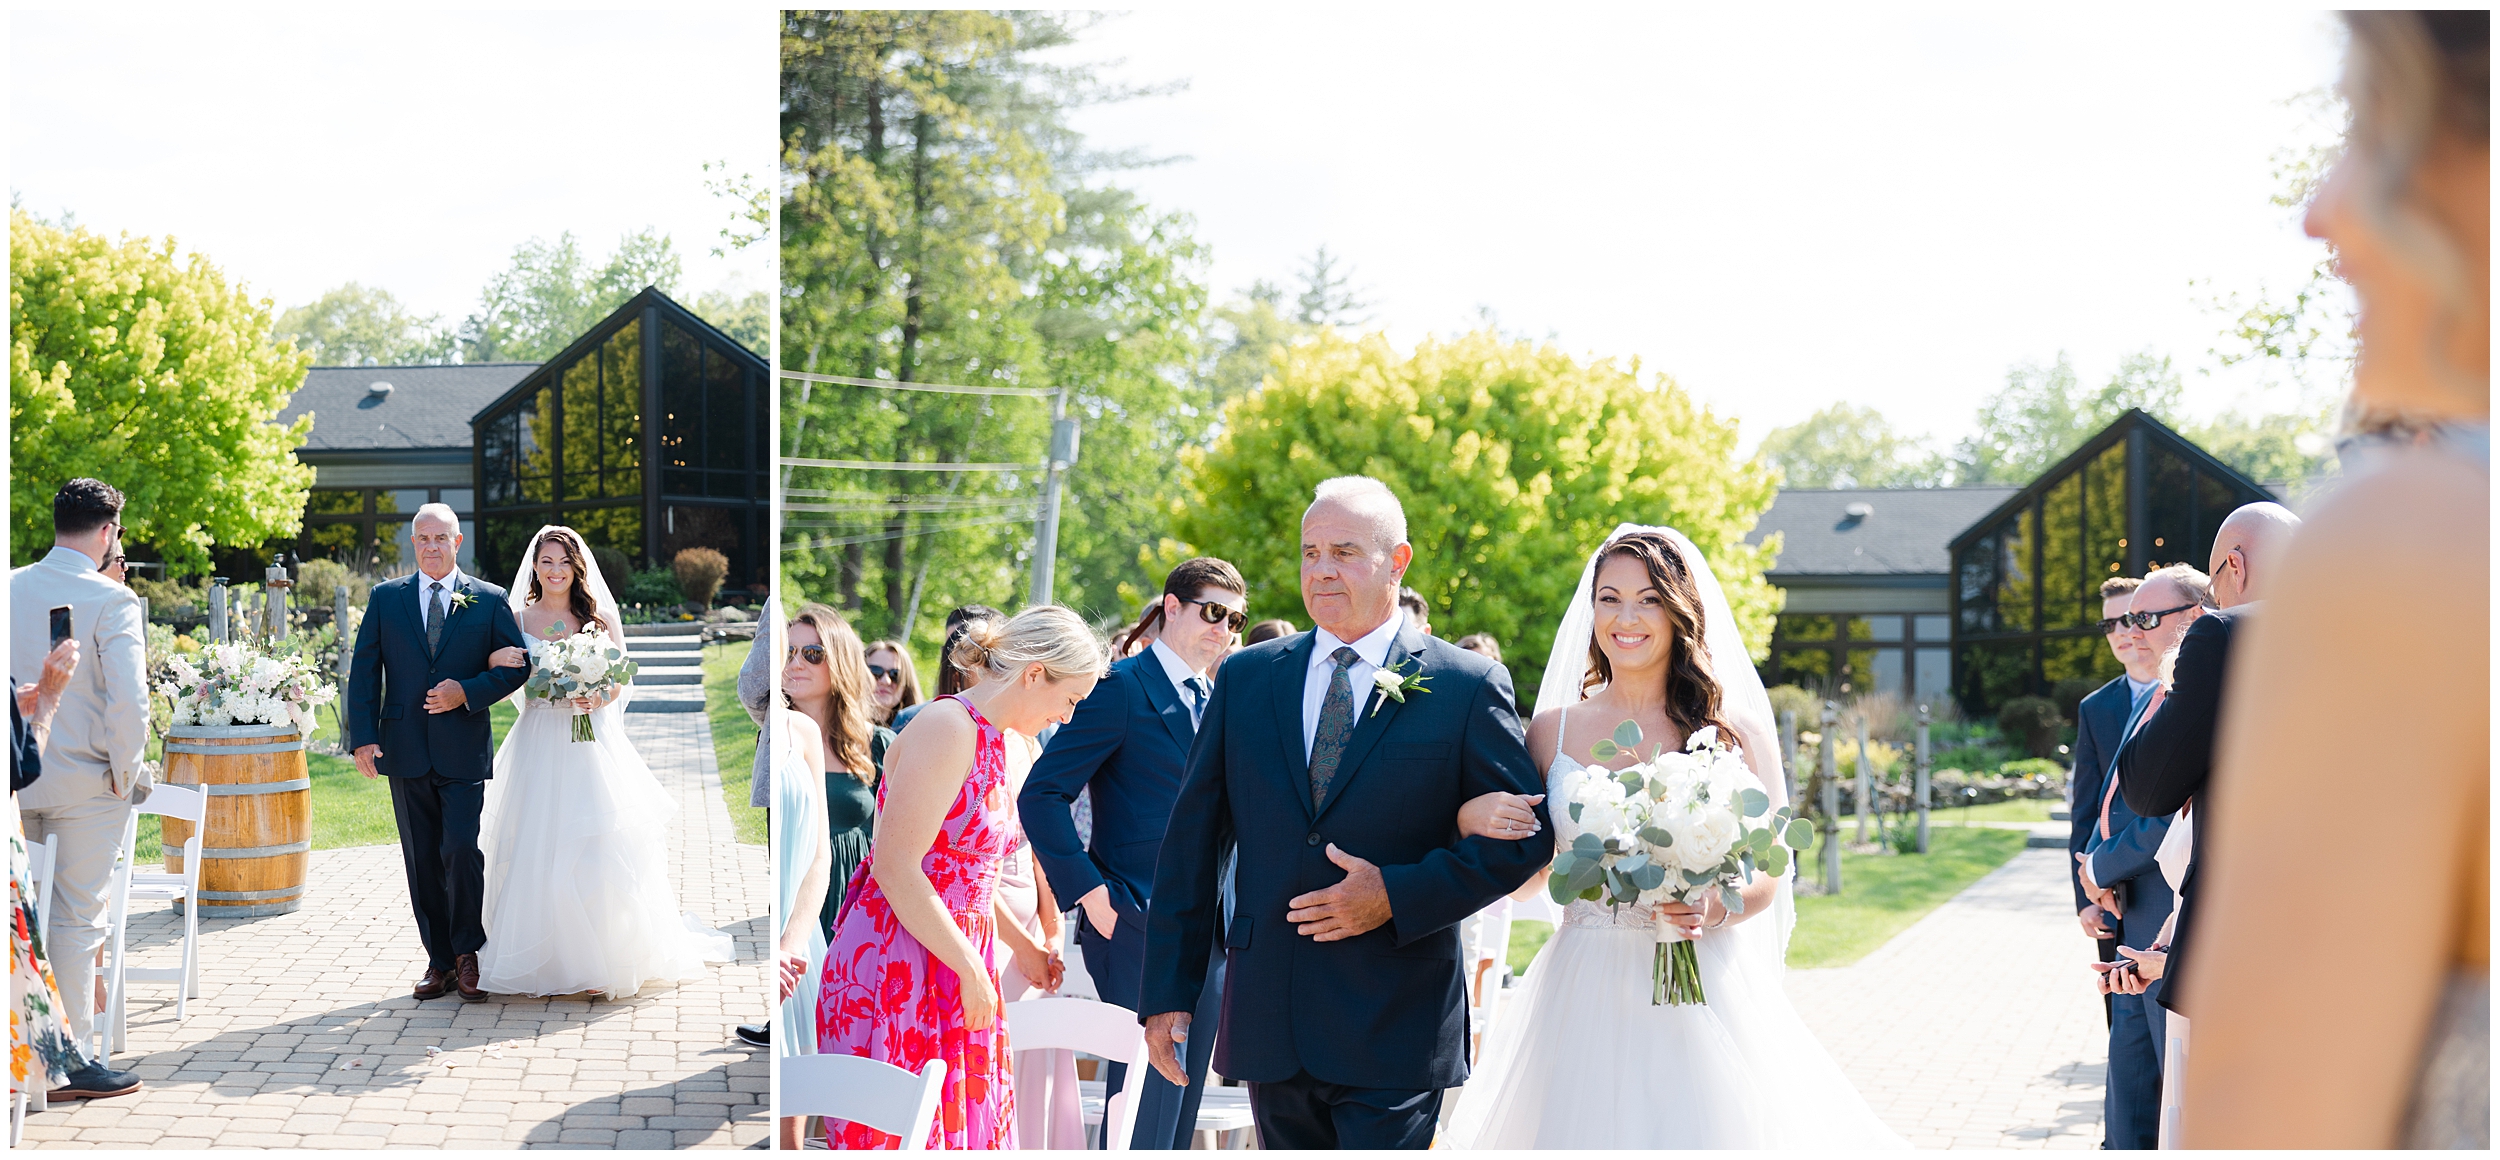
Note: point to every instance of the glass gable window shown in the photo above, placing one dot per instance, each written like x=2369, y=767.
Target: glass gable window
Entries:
x=2026, y=580
x=1835, y=656
x=643, y=435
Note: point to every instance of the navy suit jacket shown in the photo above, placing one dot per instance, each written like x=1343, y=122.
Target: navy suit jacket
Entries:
x=2100, y=723
x=392, y=671
x=1129, y=740
x=1384, y=1009
x=2127, y=856
x=2168, y=762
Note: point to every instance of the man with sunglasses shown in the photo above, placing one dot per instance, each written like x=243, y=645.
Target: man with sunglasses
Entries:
x=1127, y=744
x=2117, y=867
x=2100, y=722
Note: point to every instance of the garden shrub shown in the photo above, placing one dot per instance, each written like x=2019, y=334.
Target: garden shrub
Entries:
x=699, y=574
x=2033, y=722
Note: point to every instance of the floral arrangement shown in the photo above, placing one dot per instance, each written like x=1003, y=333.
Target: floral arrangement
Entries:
x=1671, y=828
x=588, y=663
x=245, y=683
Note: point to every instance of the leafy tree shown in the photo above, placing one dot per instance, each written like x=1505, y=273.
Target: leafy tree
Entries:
x=148, y=370
x=1513, y=461
x=2291, y=447
x=2309, y=332
x=355, y=325
x=552, y=294
x=938, y=227
x=1250, y=330
x=1845, y=445
x=2043, y=414
x=1326, y=298
x=746, y=317
x=751, y=215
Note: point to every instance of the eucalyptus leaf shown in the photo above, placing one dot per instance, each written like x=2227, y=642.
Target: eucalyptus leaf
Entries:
x=1605, y=750
x=1628, y=734
x=1587, y=874
x=1558, y=888
x=1775, y=861
x=1698, y=877
x=1800, y=835
x=1563, y=863
x=1575, y=812
x=1754, y=801
x=1657, y=837
x=1729, y=898
x=1650, y=877
x=1631, y=781
x=1588, y=844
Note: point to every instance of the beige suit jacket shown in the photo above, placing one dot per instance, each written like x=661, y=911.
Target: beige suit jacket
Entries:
x=101, y=730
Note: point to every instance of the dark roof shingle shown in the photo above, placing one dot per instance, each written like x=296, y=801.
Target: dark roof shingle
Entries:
x=1906, y=532
x=428, y=407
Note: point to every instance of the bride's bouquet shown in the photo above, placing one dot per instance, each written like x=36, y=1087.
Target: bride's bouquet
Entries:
x=585, y=664
x=1671, y=828
x=245, y=683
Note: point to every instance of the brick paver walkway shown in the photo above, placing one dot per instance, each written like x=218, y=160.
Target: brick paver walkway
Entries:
x=1977, y=1027
x=304, y=1034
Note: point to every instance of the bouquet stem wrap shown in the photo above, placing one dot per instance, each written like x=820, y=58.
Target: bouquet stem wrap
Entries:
x=1675, y=975
x=582, y=730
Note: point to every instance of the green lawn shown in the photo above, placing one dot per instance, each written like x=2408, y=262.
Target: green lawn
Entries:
x=1881, y=895
x=733, y=736
x=2018, y=810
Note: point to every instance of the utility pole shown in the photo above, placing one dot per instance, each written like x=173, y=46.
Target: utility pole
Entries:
x=1063, y=434
x=1831, y=799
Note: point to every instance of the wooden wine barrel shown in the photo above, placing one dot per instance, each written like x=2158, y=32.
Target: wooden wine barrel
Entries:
x=259, y=827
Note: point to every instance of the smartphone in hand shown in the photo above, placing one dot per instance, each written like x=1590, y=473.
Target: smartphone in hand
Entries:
x=61, y=629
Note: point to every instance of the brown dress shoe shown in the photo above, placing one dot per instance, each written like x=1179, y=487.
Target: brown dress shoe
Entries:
x=464, y=969
x=433, y=983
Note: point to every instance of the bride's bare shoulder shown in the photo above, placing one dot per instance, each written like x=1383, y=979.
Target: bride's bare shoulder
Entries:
x=1545, y=735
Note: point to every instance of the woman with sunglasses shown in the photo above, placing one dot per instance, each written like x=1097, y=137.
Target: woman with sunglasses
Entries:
x=825, y=679
x=896, y=683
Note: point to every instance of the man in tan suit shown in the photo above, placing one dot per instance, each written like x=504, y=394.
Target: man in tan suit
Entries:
x=91, y=759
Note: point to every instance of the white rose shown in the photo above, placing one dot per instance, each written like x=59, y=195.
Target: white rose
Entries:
x=593, y=668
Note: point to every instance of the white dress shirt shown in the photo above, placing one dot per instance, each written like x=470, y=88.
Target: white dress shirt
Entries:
x=1371, y=653
x=1181, y=674
x=425, y=593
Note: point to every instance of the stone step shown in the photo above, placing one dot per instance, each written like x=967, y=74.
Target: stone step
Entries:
x=668, y=675
x=685, y=643
x=666, y=628
x=666, y=699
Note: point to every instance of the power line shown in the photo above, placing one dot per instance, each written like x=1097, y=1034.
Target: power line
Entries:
x=814, y=543
x=866, y=465
x=939, y=388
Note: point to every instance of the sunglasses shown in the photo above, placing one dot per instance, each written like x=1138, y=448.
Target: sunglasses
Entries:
x=1214, y=613
x=2148, y=621
x=112, y=562
x=813, y=654
x=882, y=673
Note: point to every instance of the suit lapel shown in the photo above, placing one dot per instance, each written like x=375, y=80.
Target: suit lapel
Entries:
x=1369, y=725
x=416, y=609
x=1167, y=701
x=1293, y=667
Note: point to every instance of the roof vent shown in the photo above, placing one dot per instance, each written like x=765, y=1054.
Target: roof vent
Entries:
x=379, y=390
x=1856, y=511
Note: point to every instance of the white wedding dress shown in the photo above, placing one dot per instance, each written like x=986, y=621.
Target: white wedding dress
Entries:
x=575, y=835
x=1578, y=1057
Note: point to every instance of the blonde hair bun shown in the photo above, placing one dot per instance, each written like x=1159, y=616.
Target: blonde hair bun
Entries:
x=981, y=637
x=1054, y=637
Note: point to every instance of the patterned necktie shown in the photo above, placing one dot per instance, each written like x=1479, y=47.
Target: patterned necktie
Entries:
x=1197, y=687
x=434, y=620
x=1336, y=726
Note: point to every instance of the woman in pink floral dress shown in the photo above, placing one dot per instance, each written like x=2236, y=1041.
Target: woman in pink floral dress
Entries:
x=912, y=973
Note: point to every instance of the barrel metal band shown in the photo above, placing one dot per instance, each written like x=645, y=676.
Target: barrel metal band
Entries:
x=253, y=851
x=249, y=787
x=248, y=895
x=213, y=750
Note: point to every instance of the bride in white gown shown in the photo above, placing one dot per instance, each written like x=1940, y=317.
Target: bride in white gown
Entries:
x=575, y=833
x=1578, y=1057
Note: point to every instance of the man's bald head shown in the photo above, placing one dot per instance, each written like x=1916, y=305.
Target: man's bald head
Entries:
x=2247, y=548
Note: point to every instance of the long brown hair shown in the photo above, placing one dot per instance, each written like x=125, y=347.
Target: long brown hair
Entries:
x=908, y=683
x=846, y=665
x=1692, y=689
x=1186, y=580
x=577, y=600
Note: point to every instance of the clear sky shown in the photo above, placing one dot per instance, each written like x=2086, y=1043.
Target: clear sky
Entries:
x=300, y=149
x=1781, y=210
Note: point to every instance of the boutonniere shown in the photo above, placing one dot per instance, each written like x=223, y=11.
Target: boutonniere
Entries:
x=461, y=599
x=1394, y=685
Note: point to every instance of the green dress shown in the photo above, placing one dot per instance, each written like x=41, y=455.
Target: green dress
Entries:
x=851, y=817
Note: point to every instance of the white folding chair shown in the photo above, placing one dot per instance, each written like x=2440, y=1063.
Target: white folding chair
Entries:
x=863, y=1091
x=182, y=803
x=1097, y=1029
x=39, y=863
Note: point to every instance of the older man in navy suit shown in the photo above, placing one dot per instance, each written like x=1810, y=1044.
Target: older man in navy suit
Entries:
x=1127, y=744
x=419, y=688
x=1337, y=761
